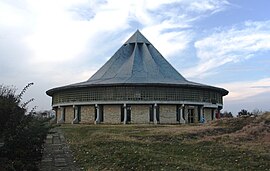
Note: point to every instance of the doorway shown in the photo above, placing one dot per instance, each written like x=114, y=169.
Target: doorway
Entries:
x=128, y=113
x=101, y=115
x=190, y=115
x=151, y=113
x=79, y=113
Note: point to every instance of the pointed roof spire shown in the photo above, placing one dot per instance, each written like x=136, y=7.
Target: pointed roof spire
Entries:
x=137, y=62
x=137, y=37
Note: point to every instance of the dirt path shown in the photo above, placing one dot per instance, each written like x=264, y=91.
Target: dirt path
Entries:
x=57, y=155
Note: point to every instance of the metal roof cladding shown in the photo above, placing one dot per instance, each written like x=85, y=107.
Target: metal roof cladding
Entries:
x=137, y=62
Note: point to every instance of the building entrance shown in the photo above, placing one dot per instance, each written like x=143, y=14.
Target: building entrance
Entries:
x=101, y=114
x=128, y=107
x=151, y=113
x=190, y=115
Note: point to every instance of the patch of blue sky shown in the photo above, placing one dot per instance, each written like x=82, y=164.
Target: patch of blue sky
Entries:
x=238, y=12
x=185, y=59
x=254, y=68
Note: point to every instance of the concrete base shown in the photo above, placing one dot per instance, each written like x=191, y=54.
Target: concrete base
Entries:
x=139, y=114
x=61, y=121
x=182, y=121
x=75, y=121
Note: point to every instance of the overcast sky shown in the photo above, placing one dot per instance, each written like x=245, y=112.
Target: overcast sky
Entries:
x=223, y=43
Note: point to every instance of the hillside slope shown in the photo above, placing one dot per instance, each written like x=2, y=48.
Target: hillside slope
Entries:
x=226, y=144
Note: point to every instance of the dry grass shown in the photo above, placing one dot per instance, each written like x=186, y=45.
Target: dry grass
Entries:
x=228, y=144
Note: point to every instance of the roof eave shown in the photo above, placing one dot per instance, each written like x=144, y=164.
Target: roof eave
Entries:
x=50, y=92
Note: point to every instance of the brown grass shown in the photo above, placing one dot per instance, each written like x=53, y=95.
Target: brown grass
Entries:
x=226, y=144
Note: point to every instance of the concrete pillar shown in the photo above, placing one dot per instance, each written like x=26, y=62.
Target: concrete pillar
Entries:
x=54, y=120
x=97, y=121
x=125, y=114
x=182, y=120
x=206, y=115
x=76, y=119
x=202, y=115
x=214, y=113
x=155, y=113
x=61, y=120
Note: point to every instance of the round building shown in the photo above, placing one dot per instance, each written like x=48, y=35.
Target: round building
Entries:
x=137, y=85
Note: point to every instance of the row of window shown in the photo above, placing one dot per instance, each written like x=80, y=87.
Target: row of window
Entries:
x=137, y=94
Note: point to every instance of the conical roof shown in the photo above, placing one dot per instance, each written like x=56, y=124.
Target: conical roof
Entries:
x=137, y=61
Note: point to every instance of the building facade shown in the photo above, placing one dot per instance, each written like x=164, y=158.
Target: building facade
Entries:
x=137, y=85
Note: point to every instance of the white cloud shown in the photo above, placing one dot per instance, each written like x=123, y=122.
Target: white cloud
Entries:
x=59, y=36
x=64, y=41
x=243, y=90
x=168, y=43
x=231, y=45
x=61, y=29
x=210, y=5
x=259, y=102
x=11, y=15
x=170, y=23
x=247, y=95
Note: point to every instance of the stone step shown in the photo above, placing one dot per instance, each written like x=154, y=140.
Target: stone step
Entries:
x=56, y=155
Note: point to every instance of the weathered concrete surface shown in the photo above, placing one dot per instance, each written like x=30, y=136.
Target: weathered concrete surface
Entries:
x=112, y=114
x=69, y=116
x=88, y=114
x=140, y=114
x=167, y=114
x=57, y=155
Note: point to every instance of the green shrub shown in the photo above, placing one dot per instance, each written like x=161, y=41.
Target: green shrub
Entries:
x=23, y=135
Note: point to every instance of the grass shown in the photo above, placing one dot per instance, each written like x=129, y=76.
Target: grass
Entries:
x=221, y=145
